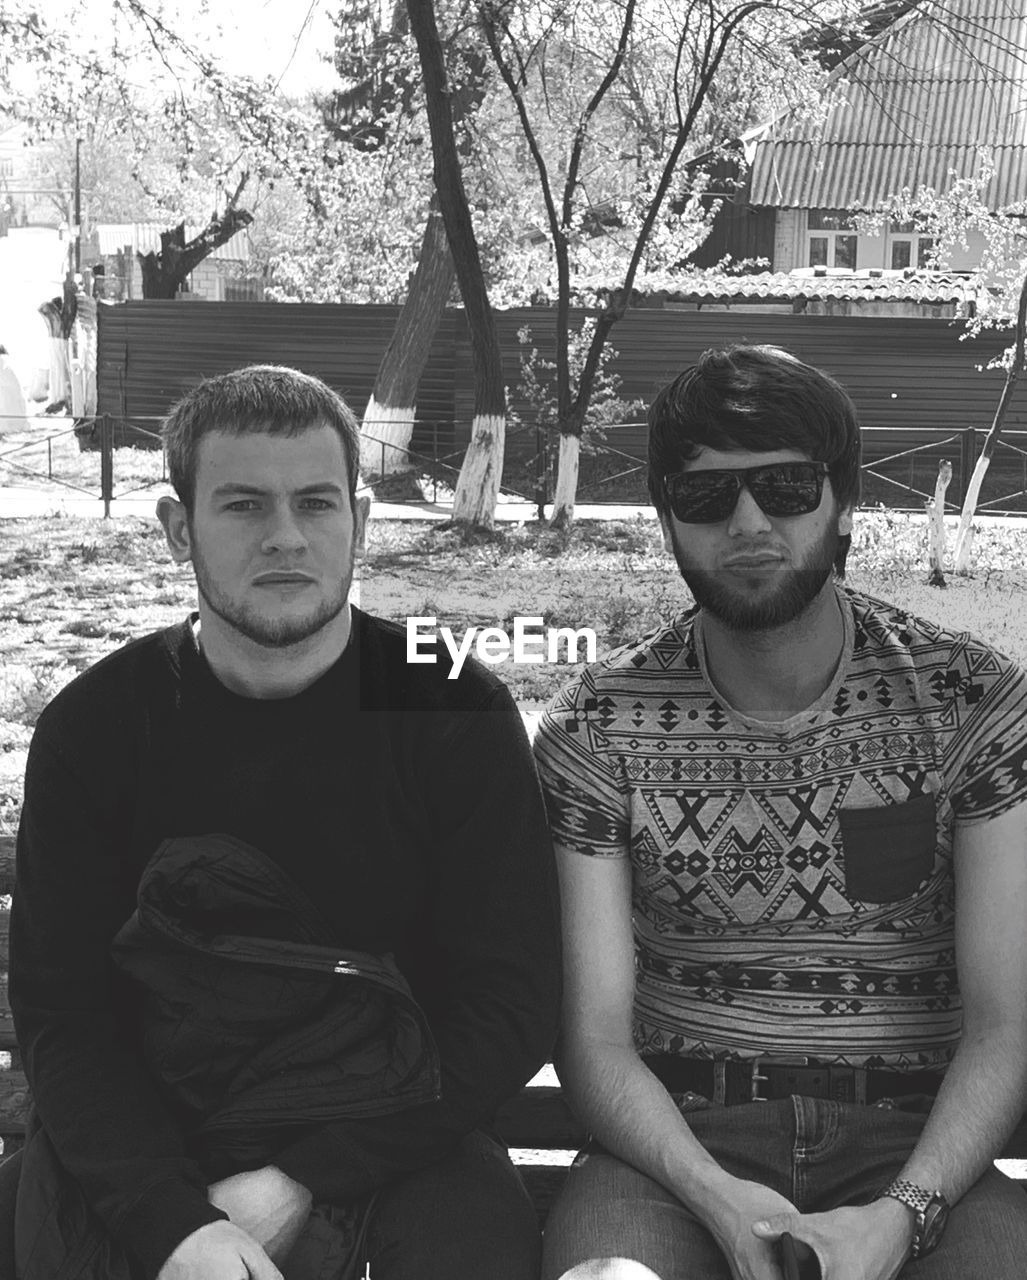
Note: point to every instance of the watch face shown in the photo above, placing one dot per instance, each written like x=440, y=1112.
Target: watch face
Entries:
x=934, y=1218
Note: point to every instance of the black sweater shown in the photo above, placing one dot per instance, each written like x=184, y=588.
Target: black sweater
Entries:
x=403, y=803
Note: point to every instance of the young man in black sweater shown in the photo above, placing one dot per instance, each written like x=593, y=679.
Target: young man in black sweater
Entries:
x=400, y=803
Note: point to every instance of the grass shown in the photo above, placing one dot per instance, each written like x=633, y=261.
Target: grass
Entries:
x=47, y=455
x=71, y=590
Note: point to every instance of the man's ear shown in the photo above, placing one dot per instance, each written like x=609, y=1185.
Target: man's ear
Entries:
x=668, y=540
x=361, y=515
x=175, y=522
x=845, y=521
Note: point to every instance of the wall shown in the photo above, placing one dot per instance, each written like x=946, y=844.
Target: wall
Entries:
x=786, y=240
x=872, y=252
x=151, y=352
x=907, y=376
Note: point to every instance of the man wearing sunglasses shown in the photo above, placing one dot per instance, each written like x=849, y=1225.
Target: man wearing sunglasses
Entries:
x=791, y=829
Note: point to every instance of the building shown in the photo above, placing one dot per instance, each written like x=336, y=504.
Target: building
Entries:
x=939, y=95
x=224, y=276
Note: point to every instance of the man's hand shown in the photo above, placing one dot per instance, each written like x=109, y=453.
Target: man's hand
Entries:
x=267, y=1204
x=734, y=1205
x=219, y=1251
x=869, y=1242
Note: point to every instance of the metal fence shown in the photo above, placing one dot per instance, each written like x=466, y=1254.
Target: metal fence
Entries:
x=108, y=458
x=99, y=457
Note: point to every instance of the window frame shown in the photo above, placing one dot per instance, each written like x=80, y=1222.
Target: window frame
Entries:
x=832, y=226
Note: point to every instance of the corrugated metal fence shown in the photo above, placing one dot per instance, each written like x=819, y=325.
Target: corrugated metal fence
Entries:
x=917, y=386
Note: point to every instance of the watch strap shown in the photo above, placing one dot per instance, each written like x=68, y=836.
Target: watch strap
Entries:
x=911, y=1194
x=919, y=1199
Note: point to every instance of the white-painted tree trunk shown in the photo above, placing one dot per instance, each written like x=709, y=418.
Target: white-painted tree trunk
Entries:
x=60, y=370
x=477, y=489
x=965, y=533
x=567, y=467
x=85, y=341
x=936, y=526
x=385, y=440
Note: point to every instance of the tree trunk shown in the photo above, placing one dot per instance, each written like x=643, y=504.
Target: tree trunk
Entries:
x=965, y=532
x=389, y=417
x=936, y=526
x=964, y=536
x=165, y=273
x=566, y=481
x=59, y=348
x=483, y=462
x=477, y=488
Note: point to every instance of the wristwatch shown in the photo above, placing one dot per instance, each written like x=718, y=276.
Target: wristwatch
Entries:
x=930, y=1208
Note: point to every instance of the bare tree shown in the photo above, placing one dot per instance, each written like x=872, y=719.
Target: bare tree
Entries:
x=1015, y=367
x=705, y=35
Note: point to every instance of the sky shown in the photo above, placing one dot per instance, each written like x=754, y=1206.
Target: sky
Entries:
x=283, y=39
x=280, y=38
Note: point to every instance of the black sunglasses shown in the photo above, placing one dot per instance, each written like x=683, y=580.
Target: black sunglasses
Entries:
x=780, y=489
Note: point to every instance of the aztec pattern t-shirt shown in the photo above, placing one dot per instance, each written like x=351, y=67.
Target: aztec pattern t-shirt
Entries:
x=793, y=889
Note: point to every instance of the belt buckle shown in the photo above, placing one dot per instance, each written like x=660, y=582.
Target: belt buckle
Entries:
x=756, y=1078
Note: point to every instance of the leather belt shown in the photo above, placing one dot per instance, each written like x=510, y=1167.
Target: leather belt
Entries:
x=729, y=1083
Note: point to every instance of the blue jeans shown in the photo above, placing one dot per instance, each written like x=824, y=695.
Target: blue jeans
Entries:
x=819, y=1154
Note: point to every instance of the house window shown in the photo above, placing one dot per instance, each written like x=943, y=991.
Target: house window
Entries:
x=831, y=236
x=908, y=246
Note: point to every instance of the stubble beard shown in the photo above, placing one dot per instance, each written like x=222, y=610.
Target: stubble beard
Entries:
x=794, y=589
x=269, y=633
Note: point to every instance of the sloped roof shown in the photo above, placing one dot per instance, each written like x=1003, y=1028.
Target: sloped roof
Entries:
x=818, y=284
x=923, y=98
x=823, y=284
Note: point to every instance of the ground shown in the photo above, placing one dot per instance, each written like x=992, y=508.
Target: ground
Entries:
x=72, y=589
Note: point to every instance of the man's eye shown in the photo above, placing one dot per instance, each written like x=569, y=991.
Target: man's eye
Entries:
x=317, y=504
x=241, y=504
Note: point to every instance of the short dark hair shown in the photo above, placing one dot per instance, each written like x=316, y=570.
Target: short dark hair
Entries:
x=757, y=398
x=264, y=399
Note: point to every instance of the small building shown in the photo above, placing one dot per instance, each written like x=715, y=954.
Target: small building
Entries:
x=938, y=96
x=225, y=276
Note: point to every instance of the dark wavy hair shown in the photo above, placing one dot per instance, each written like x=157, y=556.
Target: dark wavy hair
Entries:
x=756, y=398
x=262, y=399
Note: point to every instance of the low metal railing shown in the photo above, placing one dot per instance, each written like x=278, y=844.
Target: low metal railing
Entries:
x=101, y=457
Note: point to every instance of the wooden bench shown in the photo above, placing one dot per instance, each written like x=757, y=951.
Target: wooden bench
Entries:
x=537, y=1125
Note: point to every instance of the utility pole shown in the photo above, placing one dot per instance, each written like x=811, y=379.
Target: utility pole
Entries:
x=78, y=205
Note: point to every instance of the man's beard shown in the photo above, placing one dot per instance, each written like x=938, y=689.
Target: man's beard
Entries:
x=271, y=633
x=790, y=593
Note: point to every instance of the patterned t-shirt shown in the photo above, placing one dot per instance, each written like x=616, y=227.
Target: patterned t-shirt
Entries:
x=793, y=889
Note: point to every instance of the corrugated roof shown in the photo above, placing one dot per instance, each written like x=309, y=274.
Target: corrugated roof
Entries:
x=144, y=237
x=824, y=284
x=923, y=98
x=813, y=283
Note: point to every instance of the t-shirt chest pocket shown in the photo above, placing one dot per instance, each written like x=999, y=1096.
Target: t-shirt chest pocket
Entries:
x=889, y=849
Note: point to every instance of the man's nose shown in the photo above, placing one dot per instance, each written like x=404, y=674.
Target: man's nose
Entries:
x=284, y=532
x=748, y=516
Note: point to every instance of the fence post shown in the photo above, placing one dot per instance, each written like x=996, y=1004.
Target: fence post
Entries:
x=541, y=470
x=967, y=461
x=106, y=463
